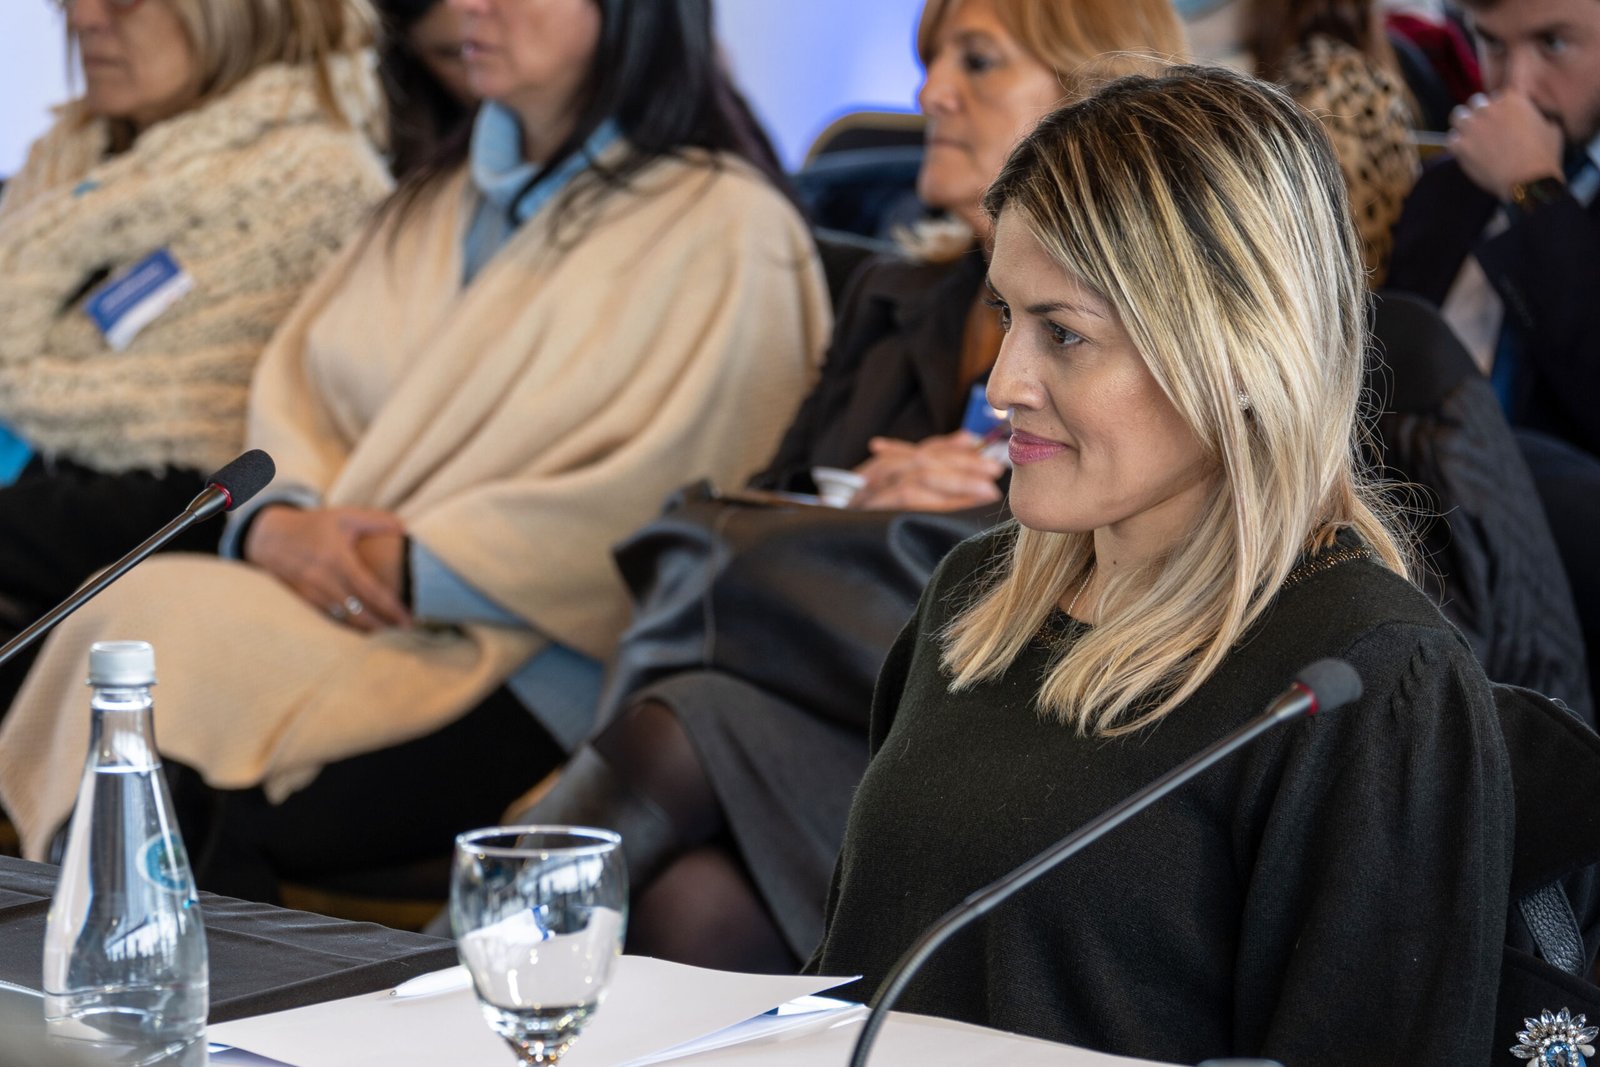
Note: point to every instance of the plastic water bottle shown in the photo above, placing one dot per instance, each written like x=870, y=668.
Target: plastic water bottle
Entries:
x=124, y=948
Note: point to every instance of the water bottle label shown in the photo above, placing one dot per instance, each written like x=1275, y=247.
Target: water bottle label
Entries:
x=163, y=862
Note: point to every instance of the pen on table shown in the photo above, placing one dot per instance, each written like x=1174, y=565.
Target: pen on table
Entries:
x=446, y=981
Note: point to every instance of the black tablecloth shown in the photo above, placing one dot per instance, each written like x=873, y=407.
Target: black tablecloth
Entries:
x=263, y=958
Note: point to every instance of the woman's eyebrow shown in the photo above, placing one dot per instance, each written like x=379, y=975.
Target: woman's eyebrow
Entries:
x=1048, y=306
x=970, y=38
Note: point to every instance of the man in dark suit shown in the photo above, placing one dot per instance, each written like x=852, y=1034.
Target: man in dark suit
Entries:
x=1505, y=235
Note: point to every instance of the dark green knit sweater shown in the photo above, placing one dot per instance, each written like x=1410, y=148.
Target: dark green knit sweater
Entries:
x=1334, y=895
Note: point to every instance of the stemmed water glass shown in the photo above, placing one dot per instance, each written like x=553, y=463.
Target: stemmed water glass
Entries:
x=538, y=914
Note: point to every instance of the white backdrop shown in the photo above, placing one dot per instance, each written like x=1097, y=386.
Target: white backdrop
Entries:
x=32, y=74
x=801, y=63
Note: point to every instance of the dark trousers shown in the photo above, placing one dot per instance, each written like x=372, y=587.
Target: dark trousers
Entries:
x=382, y=824
x=60, y=523
x=1568, y=481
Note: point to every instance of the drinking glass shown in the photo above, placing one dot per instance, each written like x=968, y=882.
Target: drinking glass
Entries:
x=538, y=914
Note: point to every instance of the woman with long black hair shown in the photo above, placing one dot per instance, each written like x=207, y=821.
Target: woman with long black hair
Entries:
x=602, y=296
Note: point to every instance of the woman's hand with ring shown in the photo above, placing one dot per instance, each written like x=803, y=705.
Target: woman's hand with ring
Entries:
x=315, y=552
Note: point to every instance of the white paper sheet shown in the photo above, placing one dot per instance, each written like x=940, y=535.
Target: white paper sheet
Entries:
x=652, y=1005
x=790, y=1020
x=909, y=1041
x=222, y=1056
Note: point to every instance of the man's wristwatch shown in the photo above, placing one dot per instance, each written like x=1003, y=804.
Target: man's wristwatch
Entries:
x=1528, y=197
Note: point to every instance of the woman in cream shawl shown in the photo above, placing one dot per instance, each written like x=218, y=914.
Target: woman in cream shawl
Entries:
x=607, y=299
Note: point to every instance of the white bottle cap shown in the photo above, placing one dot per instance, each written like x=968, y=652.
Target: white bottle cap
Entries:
x=122, y=663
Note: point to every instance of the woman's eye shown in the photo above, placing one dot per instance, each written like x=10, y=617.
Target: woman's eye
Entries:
x=1553, y=43
x=1002, y=308
x=1062, y=336
x=976, y=62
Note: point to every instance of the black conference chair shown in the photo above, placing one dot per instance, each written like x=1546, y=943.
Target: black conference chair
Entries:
x=866, y=191
x=860, y=174
x=1492, y=564
x=1568, y=481
x=857, y=130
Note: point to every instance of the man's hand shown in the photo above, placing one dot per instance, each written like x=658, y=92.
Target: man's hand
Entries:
x=338, y=559
x=1504, y=141
x=944, y=473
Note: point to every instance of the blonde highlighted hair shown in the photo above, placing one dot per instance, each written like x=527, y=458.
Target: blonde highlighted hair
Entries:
x=1208, y=209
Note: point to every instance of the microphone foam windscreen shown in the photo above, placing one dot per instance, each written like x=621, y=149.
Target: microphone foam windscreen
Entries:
x=1333, y=681
x=245, y=476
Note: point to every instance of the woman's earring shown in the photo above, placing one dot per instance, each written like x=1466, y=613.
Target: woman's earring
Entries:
x=1244, y=401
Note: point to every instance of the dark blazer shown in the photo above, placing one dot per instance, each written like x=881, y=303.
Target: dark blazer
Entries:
x=1546, y=267
x=891, y=371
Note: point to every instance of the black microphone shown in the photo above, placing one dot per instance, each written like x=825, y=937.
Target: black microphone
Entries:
x=1323, y=686
x=225, y=490
x=231, y=486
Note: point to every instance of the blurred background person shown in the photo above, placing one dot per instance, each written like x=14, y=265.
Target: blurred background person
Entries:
x=1192, y=528
x=733, y=794
x=217, y=159
x=1490, y=562
x=1503, y=237
x=891, y=403
x=603, y=295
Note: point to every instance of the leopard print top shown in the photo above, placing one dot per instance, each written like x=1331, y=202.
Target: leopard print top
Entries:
x=1365, y=112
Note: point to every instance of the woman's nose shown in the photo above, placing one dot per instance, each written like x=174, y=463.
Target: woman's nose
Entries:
x=87, y=15
x=1009, y=385
x=937, y=95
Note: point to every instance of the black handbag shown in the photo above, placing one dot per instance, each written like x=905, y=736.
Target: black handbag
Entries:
x=799, y=599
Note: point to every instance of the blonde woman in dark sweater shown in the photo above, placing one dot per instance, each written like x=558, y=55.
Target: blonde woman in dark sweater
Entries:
x=1183, y=366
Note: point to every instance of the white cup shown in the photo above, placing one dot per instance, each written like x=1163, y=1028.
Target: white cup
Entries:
x=835, y=486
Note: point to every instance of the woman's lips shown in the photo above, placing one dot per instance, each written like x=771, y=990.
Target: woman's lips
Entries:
x=1025, y=448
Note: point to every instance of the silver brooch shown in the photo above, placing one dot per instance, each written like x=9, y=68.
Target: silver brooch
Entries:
x=1556, y=1040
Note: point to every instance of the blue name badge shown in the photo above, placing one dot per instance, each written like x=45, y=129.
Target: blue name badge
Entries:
x=134, y=298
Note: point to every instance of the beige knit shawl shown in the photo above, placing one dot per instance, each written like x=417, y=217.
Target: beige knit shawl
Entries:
x=520, y=426
x=252, y=192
